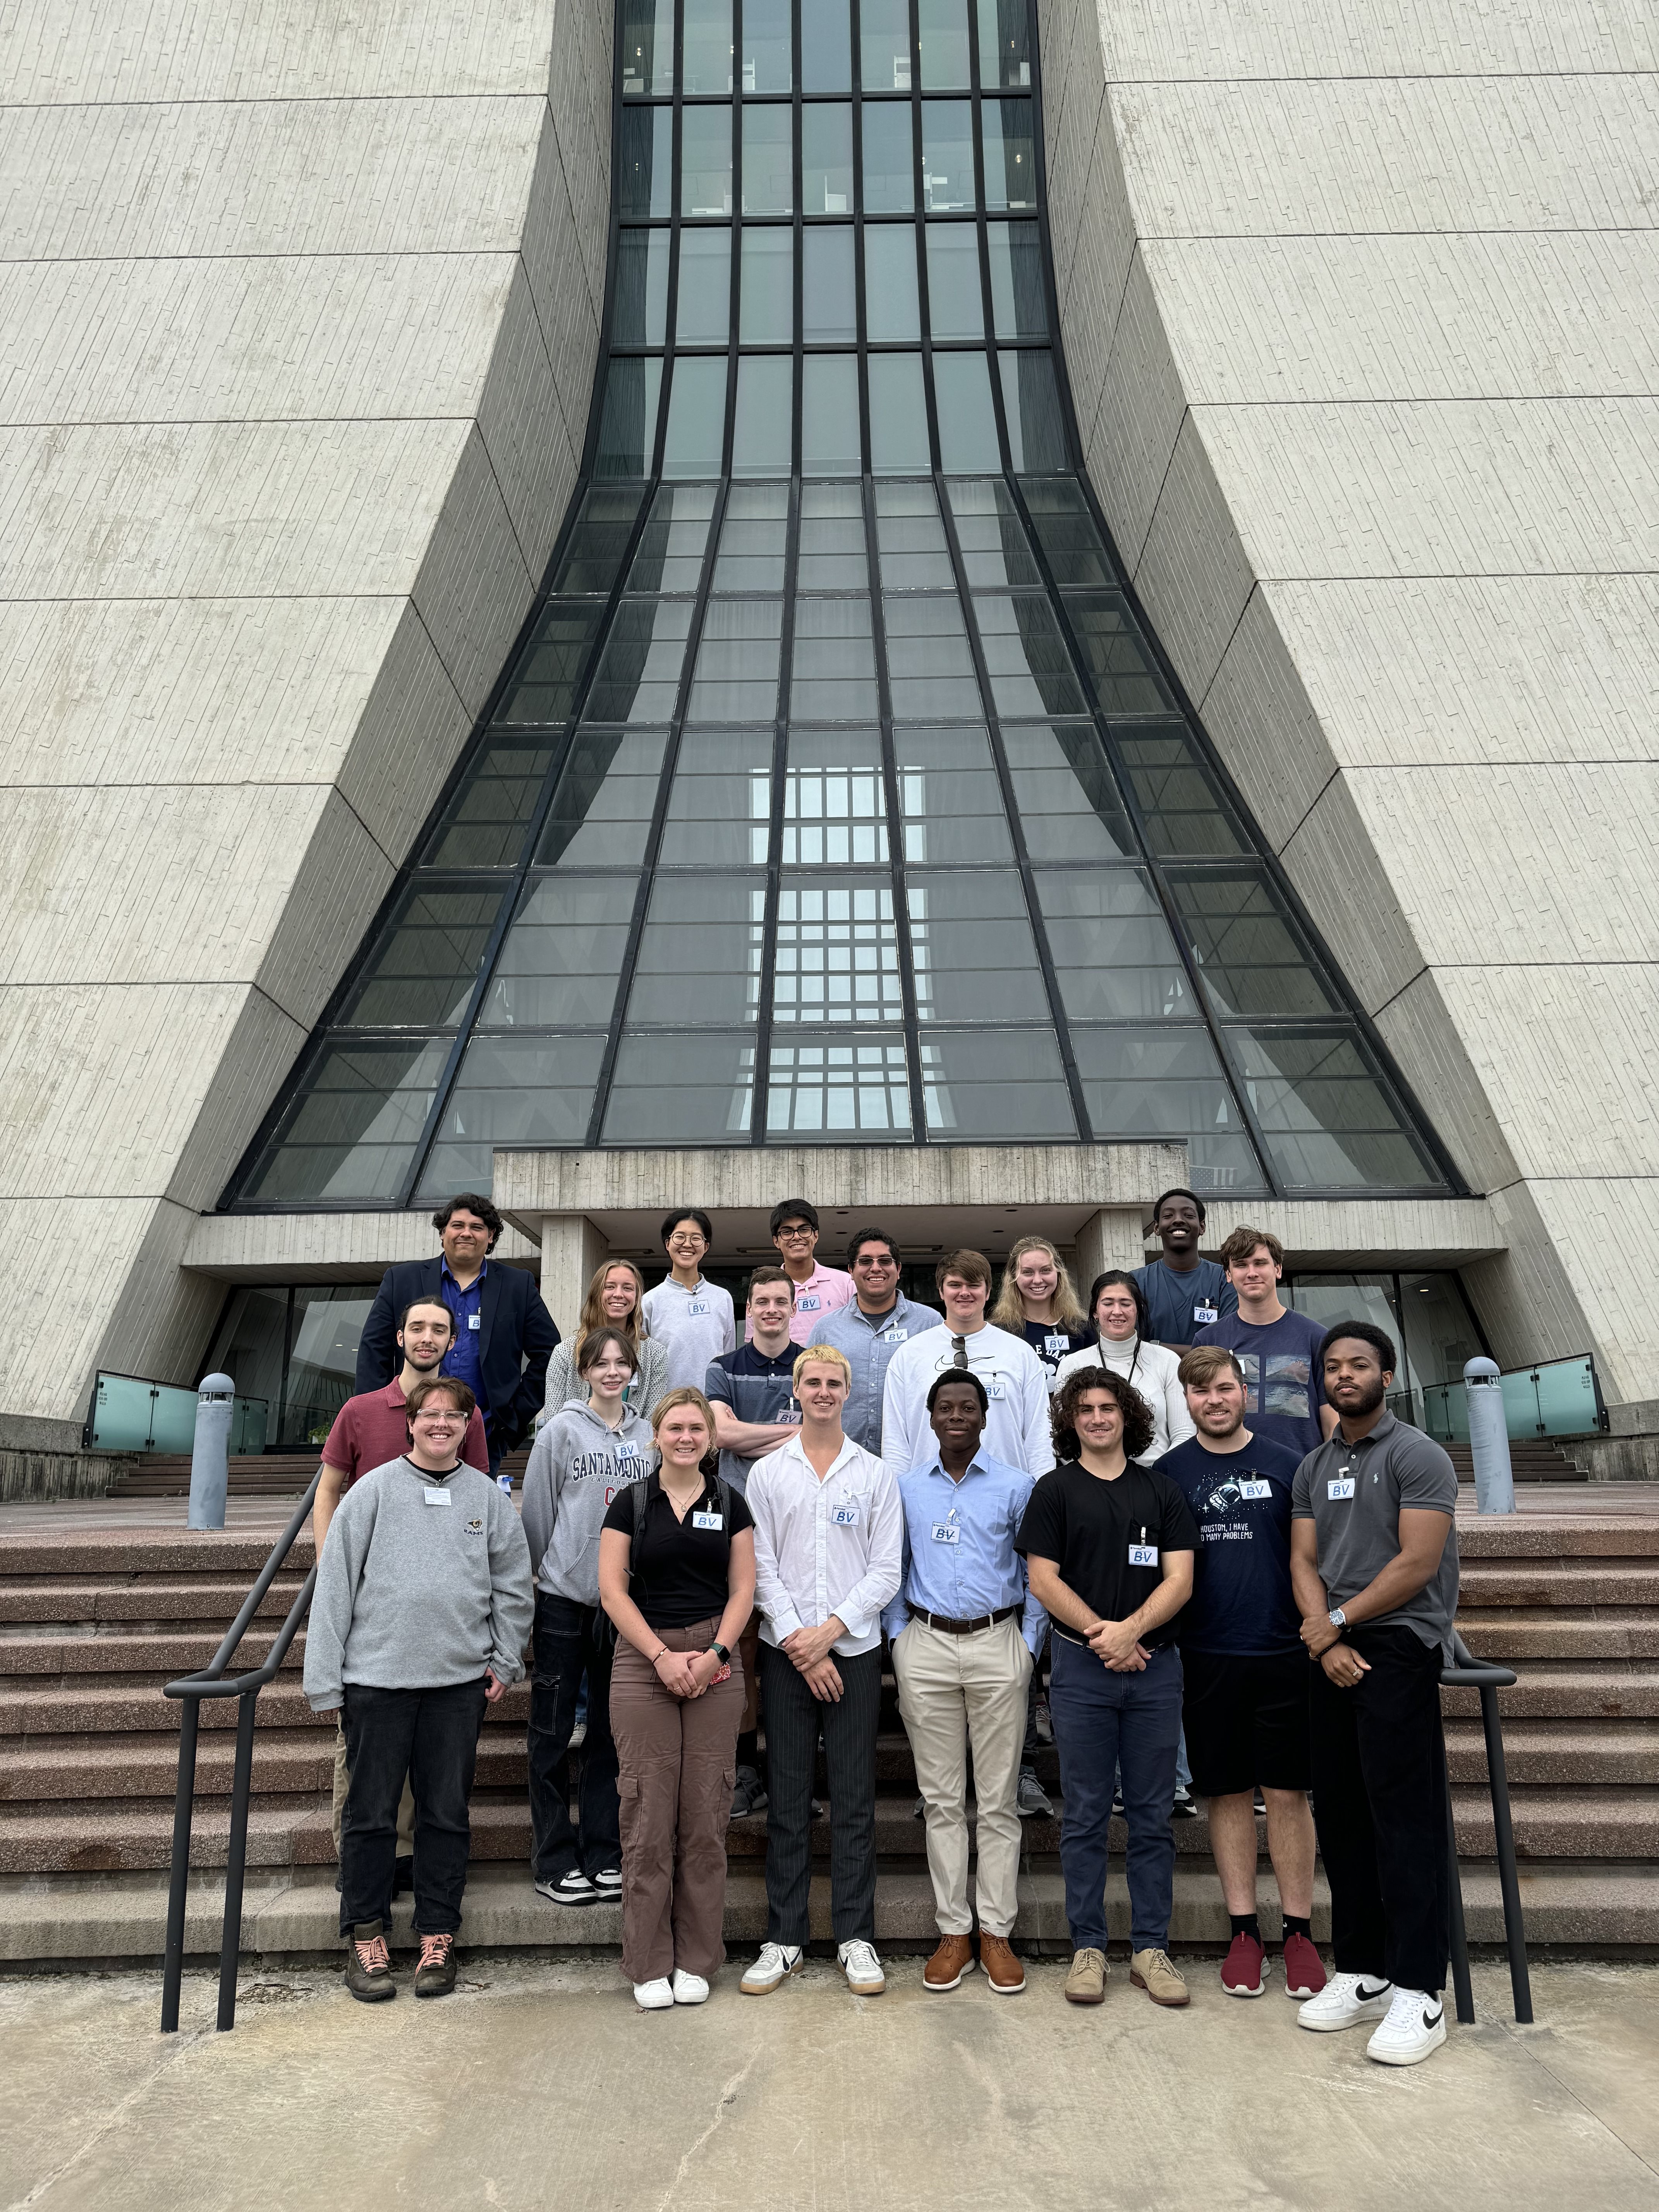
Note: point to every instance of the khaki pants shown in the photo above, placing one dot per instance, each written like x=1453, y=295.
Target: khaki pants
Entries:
x=952, y=1690
x=343, y=1783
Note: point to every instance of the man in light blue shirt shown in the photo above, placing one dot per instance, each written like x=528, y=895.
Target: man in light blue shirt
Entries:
x=965, y=1632
x=871, y=1330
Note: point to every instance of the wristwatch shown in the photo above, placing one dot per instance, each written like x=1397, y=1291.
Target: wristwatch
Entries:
x=721, y=1654
x=1338, y=1618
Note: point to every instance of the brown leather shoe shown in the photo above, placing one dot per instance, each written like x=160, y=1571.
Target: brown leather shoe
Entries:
x=1002, y=1970
x=953, y=1958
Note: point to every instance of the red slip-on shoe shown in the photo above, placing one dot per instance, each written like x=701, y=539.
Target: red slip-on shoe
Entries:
x=1304, y=1970
x=1245, y=1969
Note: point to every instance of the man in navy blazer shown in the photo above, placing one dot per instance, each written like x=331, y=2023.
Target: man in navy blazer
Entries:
x=504, y=1335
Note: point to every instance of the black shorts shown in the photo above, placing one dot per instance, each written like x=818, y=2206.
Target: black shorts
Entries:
x=1246, y=1718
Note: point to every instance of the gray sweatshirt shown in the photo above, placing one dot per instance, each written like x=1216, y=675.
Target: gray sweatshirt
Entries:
x=576, y=1468
x=416, y=1596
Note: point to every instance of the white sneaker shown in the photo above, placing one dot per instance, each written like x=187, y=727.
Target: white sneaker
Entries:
x=654, y=1997
x=864, y=1976
x=1345, y=2001
x=1416, y=2025
x=775, y=1960
x=689, y=1988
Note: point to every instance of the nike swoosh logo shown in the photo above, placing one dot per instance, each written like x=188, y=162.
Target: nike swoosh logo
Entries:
x=1432, y=2019
x=1365, y=1995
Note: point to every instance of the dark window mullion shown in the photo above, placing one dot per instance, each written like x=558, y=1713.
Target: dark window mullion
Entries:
x=919, y=1133
x=796, y=352
x=730, y=428
x=988, y=315
x=775, y=828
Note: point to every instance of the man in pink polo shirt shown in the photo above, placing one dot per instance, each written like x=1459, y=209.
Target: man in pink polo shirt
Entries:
x=818, y=1291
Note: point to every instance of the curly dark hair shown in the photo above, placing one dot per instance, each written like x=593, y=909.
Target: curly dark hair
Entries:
x=1137, y=1413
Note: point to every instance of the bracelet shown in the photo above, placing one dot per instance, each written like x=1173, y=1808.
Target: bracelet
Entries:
x=657, y=1658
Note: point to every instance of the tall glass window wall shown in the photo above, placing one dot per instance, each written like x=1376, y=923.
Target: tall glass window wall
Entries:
x=836, y=792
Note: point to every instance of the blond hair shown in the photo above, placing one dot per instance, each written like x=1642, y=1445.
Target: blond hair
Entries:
x=1009, y=1312
x=594, y=1315
x=671, y=1400
x=828, y=1352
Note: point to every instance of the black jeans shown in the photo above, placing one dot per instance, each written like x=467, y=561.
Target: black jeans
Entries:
x=793, y=1720
x=431, y=1736
x=568, y=1637
x=1379, y=1789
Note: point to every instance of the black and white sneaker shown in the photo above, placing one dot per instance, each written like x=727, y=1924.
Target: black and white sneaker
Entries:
x=608, y=1883
x=573, y=1888
x=1346, y=2000
x=1184, y=1808
x=1032, y=1802
x=1416, y=2025
x=749, y=1795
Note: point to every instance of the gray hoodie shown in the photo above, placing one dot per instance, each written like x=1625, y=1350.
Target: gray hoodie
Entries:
x=577, y=1464
x=416, y=1596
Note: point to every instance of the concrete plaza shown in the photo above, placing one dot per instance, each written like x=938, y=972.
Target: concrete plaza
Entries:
x=539, y=2084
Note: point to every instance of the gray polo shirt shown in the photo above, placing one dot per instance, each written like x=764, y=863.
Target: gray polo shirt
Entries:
x=869, y=1341
x=1353, y=1495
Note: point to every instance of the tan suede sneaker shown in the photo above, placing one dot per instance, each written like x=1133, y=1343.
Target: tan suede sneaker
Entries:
x=1086, y=1983
x=1002, y=1970
x=1154, y=1972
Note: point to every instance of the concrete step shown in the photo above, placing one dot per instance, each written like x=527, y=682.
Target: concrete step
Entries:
x=1558, y=1752
x=1589, y=1823
x=91, y=1707
x=78, y=1602
x=1557, y=1582
x=1611, y=1632
x=1604, y=1689
x=162, y=1655
x=74, y=1546
x=1583, y=1533
x=265, y=1474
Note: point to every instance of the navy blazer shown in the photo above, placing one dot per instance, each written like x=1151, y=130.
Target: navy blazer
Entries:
x=517, y=1331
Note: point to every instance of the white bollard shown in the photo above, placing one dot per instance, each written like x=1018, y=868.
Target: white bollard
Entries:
x=1489, y=1438
x=209, y=1459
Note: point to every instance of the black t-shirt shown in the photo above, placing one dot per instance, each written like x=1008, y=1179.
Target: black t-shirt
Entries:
x=1052, y=1343
x=1088, y=1527
x=681, y=1571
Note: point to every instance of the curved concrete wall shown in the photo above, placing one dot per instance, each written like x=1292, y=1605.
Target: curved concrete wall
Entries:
x=1361, y=306
x=299, y=310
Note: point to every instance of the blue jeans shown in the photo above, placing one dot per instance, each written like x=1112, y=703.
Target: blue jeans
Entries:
x=1103, y=1722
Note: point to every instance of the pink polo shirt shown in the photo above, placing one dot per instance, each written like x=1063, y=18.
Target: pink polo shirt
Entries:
x=825, y=1291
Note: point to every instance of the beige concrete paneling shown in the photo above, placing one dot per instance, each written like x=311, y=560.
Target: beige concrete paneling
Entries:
x=1194, y=574
x=1419, y=1027
x=569, y=314
x=322, y=1248
x=336, y=881
x=1333, y=862
x=1262, y=723
x=407, y=738
x=48, y=1356
x=524, y=432
x=1165, y=40
x=1142, y=407
x=571, y=1250
x=474, y=590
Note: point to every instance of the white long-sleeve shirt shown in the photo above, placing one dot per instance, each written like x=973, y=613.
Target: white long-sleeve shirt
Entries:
x=693, y=1327
x=1017, y=1425
x=1152, y=1371
x=834, y=1545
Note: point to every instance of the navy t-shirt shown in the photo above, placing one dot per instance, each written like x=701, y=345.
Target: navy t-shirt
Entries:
x=1178, y=1306
x=1283, y=1387
x=1052, y=1343
x=1241, y=1598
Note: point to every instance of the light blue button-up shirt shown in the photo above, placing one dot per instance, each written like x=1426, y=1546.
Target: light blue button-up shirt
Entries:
x=975, y=1569
x=869, y=1341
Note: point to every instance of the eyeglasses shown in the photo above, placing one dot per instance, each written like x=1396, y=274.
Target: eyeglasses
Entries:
x=794, y=1230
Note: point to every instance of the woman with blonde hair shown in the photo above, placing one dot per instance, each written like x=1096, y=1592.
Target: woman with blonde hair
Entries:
x=676, y=1577
x=615, y=1299
x=1037, y=1302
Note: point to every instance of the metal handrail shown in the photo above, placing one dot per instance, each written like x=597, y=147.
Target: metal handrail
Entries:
x=1469, y=1674
x=213, y=1682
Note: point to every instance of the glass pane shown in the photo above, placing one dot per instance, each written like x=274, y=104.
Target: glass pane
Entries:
x=910, y=535
x=601, y=812
x=889, y=176
x=737, y=672
x=1148, y=1084
x=681, y=1089
x=696, y=417
x=930, y=669
x=562, y=955
x=829, y=415
x=767, y=65
x=699, y=952
x=832, y=543
x=594, y=553
x=1253, y=957
x=891, y=310
x=826, y=46
x=352, y=1131
x=322, y=1368
x=1010, y=168
x=1031, y=401
x=944, y=45
x=826, y=158
x=421, y=974
x=947, y=154
x=512, y=1090
x=543, y=688
x=628, y=427
x=1018, y=300
x=719, y=807
x=766, y=314
x=967, y=420
x=884, y=45
x=1326, y=1118
x=484, y=825
x=250, y=1346
x=638, y=678
x=1180, y=794
x=955, y=299
x=669, y=557
x=1114, y=952
x=829, y=304
x=645, y=173
x=898, y=414
x=983, y=1082
x=1066, y=531
x=756, y=524
x=1440, y=1337
x=1069, y=806
x=648, y=47
x=842, y=1089
x=703, y=302
x=835, y=669
x=1005, y=44
x=834, y=800
x=975, y=956
x=1117, y=664
x=769, y=159
x=837, y=952
x=994, y=550
x=707, y=45
x=706, y=160
x=641, y=304
x=951, y=797
x=763, y=436
x=1025, y=656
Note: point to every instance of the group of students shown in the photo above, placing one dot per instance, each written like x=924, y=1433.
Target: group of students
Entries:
x=1195, y=1499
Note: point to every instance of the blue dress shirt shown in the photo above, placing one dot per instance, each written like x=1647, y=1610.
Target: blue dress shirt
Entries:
x=870, y=1342
x=464, y=1358
x=978, y=1572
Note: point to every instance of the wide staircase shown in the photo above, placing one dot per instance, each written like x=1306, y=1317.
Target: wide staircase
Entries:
x=93, y=1620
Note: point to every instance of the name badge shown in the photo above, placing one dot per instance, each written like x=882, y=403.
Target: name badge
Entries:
x=995, y=1391
x=714, y=1521
x=844, y=1516
x=1205, y=1314
x=1143, y=1555
x=894, y=1336
x=697, y=1310
x=1340, y=1486
x=1056, y=1345
x=437, y=1497
x=808, y=1305
x=946, y=1532
x=1256, y=1490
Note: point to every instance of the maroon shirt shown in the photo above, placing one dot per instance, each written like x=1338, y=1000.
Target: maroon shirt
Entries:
x=374, y=1428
